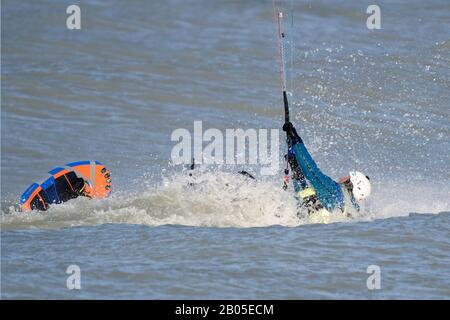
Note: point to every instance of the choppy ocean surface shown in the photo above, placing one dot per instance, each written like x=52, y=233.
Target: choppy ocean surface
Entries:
x=373, y=100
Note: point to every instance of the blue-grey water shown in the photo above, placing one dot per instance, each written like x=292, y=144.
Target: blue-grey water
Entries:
x=114, y=91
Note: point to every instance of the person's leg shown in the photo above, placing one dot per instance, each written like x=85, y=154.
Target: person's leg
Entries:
x=305, y=195
x=327, y=190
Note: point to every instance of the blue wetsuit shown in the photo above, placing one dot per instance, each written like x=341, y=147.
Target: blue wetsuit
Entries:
x=328, y=191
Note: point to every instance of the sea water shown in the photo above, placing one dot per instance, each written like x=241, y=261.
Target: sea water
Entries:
x=114, y=91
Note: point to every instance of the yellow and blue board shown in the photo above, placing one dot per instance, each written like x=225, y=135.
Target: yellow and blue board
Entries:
x=95, y=176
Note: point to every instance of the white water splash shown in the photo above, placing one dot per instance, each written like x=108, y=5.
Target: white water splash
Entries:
x=210, y=199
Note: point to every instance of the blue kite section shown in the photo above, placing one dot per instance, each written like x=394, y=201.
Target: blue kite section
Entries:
x=49, y=187
x=28, y=193
x=56, y=170
x=79, y=163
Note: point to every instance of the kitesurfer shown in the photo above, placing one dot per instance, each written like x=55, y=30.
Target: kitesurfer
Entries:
x=317, y=191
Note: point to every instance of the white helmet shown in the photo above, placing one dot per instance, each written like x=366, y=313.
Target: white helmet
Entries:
x=361, y=185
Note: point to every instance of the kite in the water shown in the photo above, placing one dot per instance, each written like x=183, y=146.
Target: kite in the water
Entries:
x=83, y=178
x=317, y=192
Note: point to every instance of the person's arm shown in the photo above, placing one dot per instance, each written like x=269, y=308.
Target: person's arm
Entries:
x=328, y=191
